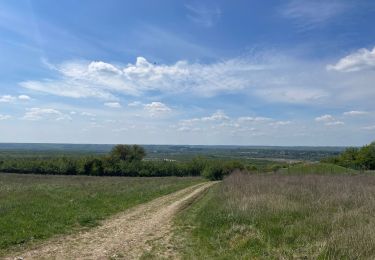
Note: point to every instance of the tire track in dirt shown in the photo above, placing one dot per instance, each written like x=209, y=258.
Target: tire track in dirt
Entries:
x=127, y=235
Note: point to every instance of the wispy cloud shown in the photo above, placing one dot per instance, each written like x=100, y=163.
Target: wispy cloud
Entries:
x=355, y=113
x=113, y=104
x=271, y=76
x=311, y=14
x=203, y=15
x=37, y=113
x=362, y=59
x=219, y=122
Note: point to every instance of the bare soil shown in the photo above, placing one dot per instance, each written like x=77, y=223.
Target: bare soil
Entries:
x=128, y=235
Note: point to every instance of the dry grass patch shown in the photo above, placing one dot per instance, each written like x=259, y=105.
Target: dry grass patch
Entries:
x=284, y=216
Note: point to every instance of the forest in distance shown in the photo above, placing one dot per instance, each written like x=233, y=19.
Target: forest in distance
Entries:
x=132, y=160
x=174, y=152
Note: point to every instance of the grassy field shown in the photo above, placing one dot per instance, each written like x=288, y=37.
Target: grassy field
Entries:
x=317, y=168
x=282, y=217
x=36, y=207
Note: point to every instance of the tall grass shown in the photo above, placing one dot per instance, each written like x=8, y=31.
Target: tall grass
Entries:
x=282, y=217
x=36, y=207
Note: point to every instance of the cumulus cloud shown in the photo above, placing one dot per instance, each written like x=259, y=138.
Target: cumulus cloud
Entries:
x=157, y=108
x=37, y=113
x=7, y=99
x=113, y=104
x=360, y=60
x=355, y=113
x=12, y=99
x=329, y=120
x=24, y=97
x=324, y=118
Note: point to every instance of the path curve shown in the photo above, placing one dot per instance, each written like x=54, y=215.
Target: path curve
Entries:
x=127, y=235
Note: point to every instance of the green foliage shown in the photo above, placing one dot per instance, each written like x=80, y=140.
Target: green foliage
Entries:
x=127, y=152
x=359, y=159
x=213, y=172
x=316, y=168
x=123, y=160
x=216, y=170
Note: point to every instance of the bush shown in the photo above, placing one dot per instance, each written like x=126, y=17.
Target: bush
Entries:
x=213, y=172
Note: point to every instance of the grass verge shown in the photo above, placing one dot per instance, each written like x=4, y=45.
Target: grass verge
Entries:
x=281, y=216
x=37, y=207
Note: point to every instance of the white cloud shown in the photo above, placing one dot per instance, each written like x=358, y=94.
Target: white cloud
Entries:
x=334, y=123
x=254, y=119
x=157, y=108
x=271, y=76
x=217, y=116
x=221, y=123
x=329, y=120
x=360, y=60
x=293, y=95
x=324, y=118
x=36, y=113
x=12, y=99
x=113, y=104
x=82, y=79
x=24, y=97
x=355, y=113
x=280, y=123
x=7, y=99
x=4, y=117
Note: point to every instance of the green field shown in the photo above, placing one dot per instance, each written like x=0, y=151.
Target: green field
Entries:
x=317, y=168
x=35, y=207
x=273, y=216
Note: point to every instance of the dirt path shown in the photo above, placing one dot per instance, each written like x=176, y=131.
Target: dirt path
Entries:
x=127, y=235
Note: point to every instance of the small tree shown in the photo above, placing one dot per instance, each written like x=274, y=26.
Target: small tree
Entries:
x=128, y=153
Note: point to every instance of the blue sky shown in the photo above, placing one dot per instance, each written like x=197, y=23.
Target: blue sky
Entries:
x=293, y=72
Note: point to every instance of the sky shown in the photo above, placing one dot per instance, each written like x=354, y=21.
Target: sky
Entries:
x=291, y=72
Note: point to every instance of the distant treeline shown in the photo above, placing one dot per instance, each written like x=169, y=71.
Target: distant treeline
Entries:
x=123, y=160
x=356, y=158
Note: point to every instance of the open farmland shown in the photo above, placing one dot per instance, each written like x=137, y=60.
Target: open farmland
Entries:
x=35, y=207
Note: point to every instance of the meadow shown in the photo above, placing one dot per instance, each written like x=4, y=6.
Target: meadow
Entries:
x=281, y=216
x=37, y=207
